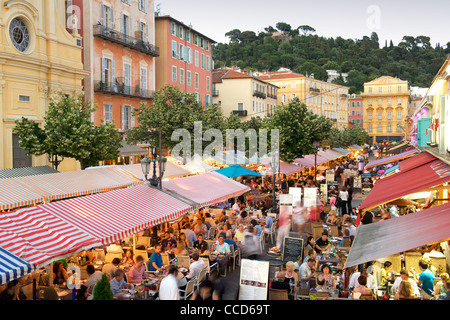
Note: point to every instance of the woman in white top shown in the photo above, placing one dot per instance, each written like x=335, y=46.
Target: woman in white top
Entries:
x=343, y=194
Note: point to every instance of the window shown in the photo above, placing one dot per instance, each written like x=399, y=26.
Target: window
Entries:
x=283, y=85
x=107, y=16
x=107, y=112
x=174, y=49
x=19, y=34
x=399, y=88
x=389, y=114
x=127, y=78
x=23, y=98
x=389, y=89
x=370, y=102
x=380, y=128
x=370, y=90
x=143, y=5
x=143, y=83
x=126, y=25
x=380, y=115
x=203, y=61
x=399, y=127
x=208, y=84
x=196, y=58
x=188, y=76
x=293, y=85
x=380, y=102
x=399, y=115
x=108, y=72
x=389, y=102
x=174, y=74
x=369, y=128
x=127, y=118
x=380, y=89
x=208, y=100
x=389, y=128
x=181, y=75
x=180, y=51
x=240, y=106
x=127, y=1
x=172, y=28
x=196, y=83
x=143, y=32
x=399, y=101
x=253, y=106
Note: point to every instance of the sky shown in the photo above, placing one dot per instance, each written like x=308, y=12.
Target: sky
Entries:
x=350, y=19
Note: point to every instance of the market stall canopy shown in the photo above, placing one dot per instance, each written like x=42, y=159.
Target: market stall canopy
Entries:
x=129, y=150
x=237, y=171
x=31, y=190
x=330, y=154
x=401, y=147
x=397, y=157
x=12, y=267
x=27, y=171
x=355, y=147
x=172, y=171
x=413, y=179
x=40, y=238
x=196, y=165
x=206, y=189
x=285, y=168
x=384, y=238
x=342, y=150
x=111, y=216
x=320, y=159
x=403, y=202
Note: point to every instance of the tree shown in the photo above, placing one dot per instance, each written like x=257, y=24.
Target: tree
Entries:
x=299, y=128
x=102, y=290
x=283, y=27
x=69, y=132
x=305, y=29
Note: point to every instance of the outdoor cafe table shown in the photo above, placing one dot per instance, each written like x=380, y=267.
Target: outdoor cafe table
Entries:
x=328, y=259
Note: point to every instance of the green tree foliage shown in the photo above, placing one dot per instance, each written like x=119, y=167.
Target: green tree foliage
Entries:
x=347, y=137
x=414, y=59
x=69, y=132
x=299, y=128
x=102, y=290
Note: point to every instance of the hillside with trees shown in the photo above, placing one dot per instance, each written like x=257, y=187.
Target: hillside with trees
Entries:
x=414, y=59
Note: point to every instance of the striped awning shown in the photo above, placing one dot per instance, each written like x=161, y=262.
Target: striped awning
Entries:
x=39, y=238
x=32, y=190
x=206, y=189
x=342, y=150
x=111, y=216
x=330, y=154
x=12, y=267
x=172, y=171
x=285, y=168
x=27, y=171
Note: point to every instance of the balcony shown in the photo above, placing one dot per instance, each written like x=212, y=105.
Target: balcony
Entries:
x=240, y=113
x=259, y=94
x=344, y=96
x=215, y=93
x=314, y=90
x=112, y=35
x=119, y=88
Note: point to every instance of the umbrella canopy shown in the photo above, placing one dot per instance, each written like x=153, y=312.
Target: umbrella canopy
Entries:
x=237, y=171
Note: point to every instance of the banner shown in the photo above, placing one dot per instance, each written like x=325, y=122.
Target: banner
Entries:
x=310, y=197
x=330, y=175
x=296, y=197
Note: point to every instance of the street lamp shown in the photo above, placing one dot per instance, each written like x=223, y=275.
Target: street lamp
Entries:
x=160, y=160
x=274, y=163
x=316, y=144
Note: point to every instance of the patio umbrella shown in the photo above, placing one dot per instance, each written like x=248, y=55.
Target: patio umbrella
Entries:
x=237, y=171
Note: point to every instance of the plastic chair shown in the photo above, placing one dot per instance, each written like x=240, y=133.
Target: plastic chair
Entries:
x=99, y=254
x=110, y=256
x=143, y=241
x=201, y=277
x=261, y=242
x=165, y=259
x=190, y=286
x=235, y=253
x=142, y=253
x=183, y=261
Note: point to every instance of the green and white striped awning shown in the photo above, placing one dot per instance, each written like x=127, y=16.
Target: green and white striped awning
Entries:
x=27, y=171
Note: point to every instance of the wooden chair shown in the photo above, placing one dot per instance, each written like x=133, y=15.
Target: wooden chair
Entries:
x=277, y=294
x=334, y=230
x=190, y=286
x=317, y=231
x=322, y=294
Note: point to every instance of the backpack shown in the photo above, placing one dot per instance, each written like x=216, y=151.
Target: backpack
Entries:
x=338, y=202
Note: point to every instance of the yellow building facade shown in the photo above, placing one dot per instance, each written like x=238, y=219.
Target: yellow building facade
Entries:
x=243, y=94
x=39, y=58
x=386, y=103
x=322, y=98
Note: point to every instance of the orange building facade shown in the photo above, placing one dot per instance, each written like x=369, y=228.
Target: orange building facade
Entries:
x=185, y=59
x=119, y=53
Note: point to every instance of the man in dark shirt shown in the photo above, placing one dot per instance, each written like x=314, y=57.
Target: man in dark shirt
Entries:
x=322, y=242
x=280, y=284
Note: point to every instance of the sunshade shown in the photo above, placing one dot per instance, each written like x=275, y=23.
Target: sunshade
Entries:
x=40, y=238
x=111, y=216
x=330, y=154
x=397, y=157
x=237, y=171
x=341, y=150
x=285, y=168
x=206, y=189
x=196, y=165
x=28, y=171
x=172, y=171
x=129, y=150
x=384, y=238
x=12, y=267
x=406, y=182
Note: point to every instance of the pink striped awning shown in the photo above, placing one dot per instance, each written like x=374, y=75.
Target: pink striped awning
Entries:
x=39, y=238
x=111, y=216
x=285, y=168
x=16, y=194
x=309, y=160
x=206, y=189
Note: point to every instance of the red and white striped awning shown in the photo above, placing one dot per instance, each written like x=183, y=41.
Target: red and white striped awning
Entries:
x=206, y=189
x=40, y=238
x=111, y=216
x=16, y=194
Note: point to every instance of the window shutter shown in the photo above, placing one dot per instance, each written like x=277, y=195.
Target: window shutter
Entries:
x=122, y=117
x=113, y=72
x=112, y=18
x=132, y=122
x=131, y=27
x=102, y=16
x=103, y=69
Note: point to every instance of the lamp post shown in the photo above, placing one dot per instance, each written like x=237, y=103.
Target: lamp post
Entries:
x=157, y=159
x=316, y=144
x=274, y=163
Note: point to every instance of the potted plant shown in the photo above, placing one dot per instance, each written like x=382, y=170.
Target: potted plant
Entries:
x=102, y=290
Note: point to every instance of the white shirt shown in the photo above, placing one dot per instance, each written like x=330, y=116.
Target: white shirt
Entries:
x=352, y=230
x=236, y=207
x=195, y=268
x=343, y=195
x=304, y=271
x=168, y=289
x=414, y=286
x=92, y=281
x=353, y=283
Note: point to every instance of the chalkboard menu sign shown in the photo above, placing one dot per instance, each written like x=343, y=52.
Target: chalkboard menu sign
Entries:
x=292, y=249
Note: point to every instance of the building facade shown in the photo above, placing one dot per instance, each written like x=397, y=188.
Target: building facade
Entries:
x=243, y=94
x=386, y=103
x=40, y=58
x=322, y=98
x=185, y=60
x=355, y=110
